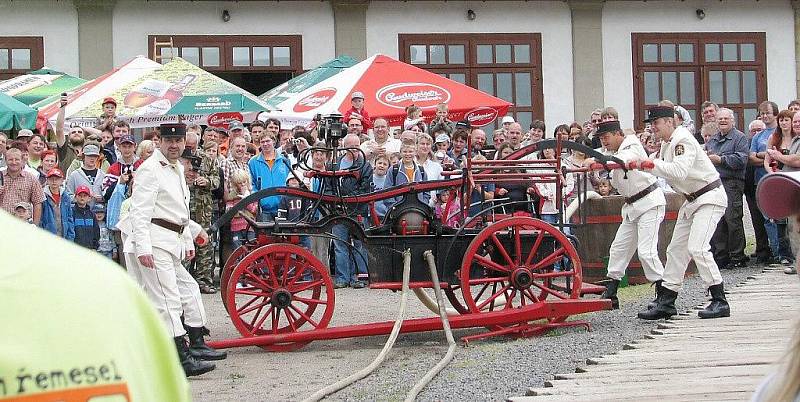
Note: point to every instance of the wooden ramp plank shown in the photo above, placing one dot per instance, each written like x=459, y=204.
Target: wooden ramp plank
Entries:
x=689, y=359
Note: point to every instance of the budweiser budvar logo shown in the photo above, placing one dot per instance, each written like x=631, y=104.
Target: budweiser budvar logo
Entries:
x=421, y=94
x=315, y=100
x=223, y=119
x=481, y=116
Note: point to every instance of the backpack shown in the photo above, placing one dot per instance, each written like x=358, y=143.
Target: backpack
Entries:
x=396, y=171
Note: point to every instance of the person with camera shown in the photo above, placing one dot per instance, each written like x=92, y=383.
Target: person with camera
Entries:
x=727, y=150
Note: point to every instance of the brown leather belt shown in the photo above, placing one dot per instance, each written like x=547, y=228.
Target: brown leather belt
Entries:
x=174, y=227
x=708, y=187
x=638, y=196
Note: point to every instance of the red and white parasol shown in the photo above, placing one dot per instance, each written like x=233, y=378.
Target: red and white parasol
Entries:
x=390, y=86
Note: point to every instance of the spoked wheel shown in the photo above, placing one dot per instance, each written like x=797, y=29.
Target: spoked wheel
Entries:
x=278, y=289
x=512, y=264
x=227, y=270
x=453, y=293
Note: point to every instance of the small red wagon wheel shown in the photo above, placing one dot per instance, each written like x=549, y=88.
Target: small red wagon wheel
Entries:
x=277, y=289
x=227, y=270
x=512, y=264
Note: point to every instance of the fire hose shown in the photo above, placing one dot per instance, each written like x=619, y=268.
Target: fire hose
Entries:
x=345, y=382
x=451, y=343
x=420, y=385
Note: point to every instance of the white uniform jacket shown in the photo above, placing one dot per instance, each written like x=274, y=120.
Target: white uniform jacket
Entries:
x=160, y=191
x=687, y=169
x=126, y=228
x=636, y=181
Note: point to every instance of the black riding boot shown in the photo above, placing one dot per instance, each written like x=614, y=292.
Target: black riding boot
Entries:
x=611, y=293
x=198, y=347
x=664, y=308
x=659, y=288
x=191, y=366
x=719, y=305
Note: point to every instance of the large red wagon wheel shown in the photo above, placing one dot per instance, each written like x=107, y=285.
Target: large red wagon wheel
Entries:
x=511, y=264
x=284, y=287
x=227, y=270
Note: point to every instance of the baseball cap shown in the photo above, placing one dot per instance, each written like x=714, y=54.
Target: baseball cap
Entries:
x=91, y=149
x=109, y=100
x=24, y=133
x=98, y=208
x=442, y=138
x=82, y=190
x=23, y=204
x=508, y=119
x=235, y=125
x=127, y=138
x=55, y=172
x=357, y=95
x=221, y=130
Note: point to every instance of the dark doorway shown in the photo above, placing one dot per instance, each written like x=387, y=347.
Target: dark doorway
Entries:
x=255, y=83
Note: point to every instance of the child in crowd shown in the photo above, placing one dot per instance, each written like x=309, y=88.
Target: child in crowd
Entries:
x=448, y=215
x=357, y=111
x=380, y=172
x=380, y=168
x=290, y=207
x=57, y=206
x=106, y=244
x=87, y=231
x=240, y=188
x=441, y=124
x=442, y=144
x=293, y=209
x=413, y=118
x=406, y=171
x=394, y=158
x=23, y=211
x=482, y=194
x=604, y=187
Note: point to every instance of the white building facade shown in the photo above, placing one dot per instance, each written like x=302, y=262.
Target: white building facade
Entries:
x=556, y=61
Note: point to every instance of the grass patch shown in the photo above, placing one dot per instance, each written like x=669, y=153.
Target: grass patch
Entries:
x=634, y=292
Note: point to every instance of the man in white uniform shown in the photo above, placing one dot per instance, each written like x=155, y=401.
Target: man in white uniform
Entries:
x=642, y=212
x=689, y=171
x=159, y=215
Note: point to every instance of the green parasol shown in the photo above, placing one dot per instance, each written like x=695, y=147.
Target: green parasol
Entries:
x=15, y=115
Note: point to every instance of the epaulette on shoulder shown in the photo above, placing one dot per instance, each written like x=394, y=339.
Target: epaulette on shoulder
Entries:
x=163, y=164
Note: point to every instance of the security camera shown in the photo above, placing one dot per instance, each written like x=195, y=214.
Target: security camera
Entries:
x=226, y=16
x=471, y=15
x=700, y=13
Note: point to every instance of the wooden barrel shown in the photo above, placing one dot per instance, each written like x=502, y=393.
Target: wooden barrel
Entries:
x=602, y=218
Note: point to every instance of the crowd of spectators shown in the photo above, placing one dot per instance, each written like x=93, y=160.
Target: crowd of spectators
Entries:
x=75, y=185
